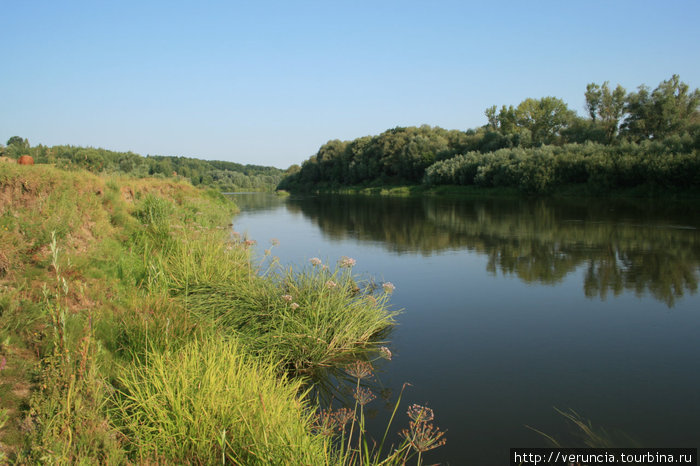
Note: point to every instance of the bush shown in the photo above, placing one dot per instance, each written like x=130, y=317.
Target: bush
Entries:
x=540, y=170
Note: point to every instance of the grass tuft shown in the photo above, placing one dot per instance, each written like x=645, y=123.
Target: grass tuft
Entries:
x=210, y=402
x=308, y=319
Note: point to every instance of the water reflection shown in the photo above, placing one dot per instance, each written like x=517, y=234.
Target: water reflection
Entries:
x=256, y=201
x=622, y=246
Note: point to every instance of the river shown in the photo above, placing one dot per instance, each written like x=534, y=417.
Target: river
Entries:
x=512, y=308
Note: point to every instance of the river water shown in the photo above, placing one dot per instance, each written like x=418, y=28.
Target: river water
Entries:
x=512, y=308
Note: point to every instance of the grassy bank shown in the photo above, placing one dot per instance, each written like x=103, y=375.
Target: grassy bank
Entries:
x=136, y=328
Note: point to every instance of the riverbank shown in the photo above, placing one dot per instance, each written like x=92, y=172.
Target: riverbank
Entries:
x=136, y=328
x=575, y=191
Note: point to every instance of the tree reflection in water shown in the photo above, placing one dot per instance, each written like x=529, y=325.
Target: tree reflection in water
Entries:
x=636, y=246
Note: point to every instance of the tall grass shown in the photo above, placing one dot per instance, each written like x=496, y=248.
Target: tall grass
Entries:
x=158, y=340
x=211, y=403
x=3, y=420
x=310, y=318
x=66, y=422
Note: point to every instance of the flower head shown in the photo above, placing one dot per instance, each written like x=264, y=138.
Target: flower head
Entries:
x=343, y=416
x=363, y=395
x=287, y=297
x=420, y=413
x=388, y=287
x=346, y=262
x=274, y=241
x=360, y=369
x=423, y=436
x=385, y=353
x=325, y=422
x=294, y=306
x=249, y=242
x=331, y=284
x=315, y=261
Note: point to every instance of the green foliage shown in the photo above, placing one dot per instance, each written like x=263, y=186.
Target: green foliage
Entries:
x=606, y=107
x=670, y=109
x=16, y=147
x=534, y=122
x=544, y=118
x=668, y=115
x=17, y=141
x=222, y=176
x=210, y=402
x=667, y=165
x=399, y=155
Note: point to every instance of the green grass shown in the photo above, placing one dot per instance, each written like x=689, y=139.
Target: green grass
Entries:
x=210, y=402
x=308, y=319
x=146, y=334
x=3, y=420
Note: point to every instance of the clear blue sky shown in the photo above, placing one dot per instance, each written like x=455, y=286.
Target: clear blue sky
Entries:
x=268, y=82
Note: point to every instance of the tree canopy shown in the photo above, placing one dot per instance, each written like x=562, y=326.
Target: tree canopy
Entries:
x=221, y=175
x=666, y=115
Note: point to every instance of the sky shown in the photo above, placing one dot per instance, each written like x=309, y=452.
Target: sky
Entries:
x=269, y=82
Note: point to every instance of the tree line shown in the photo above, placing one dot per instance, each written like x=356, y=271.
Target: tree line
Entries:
x=663, y=122
x=221, y=175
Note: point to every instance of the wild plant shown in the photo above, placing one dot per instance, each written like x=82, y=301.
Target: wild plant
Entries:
x=4, y=416
x=66, y=418
x=355, y=449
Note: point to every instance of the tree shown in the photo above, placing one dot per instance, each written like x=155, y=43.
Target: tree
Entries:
x=507, y=120
x=292, y=170
x=492, y=118
x=606, y=108
x=581, y=130
x=670, y=109
x=544, y=118
x=502, y=129
x=18, y=141
x=593, y=97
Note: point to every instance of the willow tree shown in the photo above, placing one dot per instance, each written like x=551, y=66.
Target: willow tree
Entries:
x=671, y=108
x=545, y=118
x=606, y=108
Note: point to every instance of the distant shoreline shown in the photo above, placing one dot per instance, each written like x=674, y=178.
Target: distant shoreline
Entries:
x=568, y=191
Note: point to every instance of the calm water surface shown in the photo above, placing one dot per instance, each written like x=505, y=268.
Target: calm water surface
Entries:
x=514, y=307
